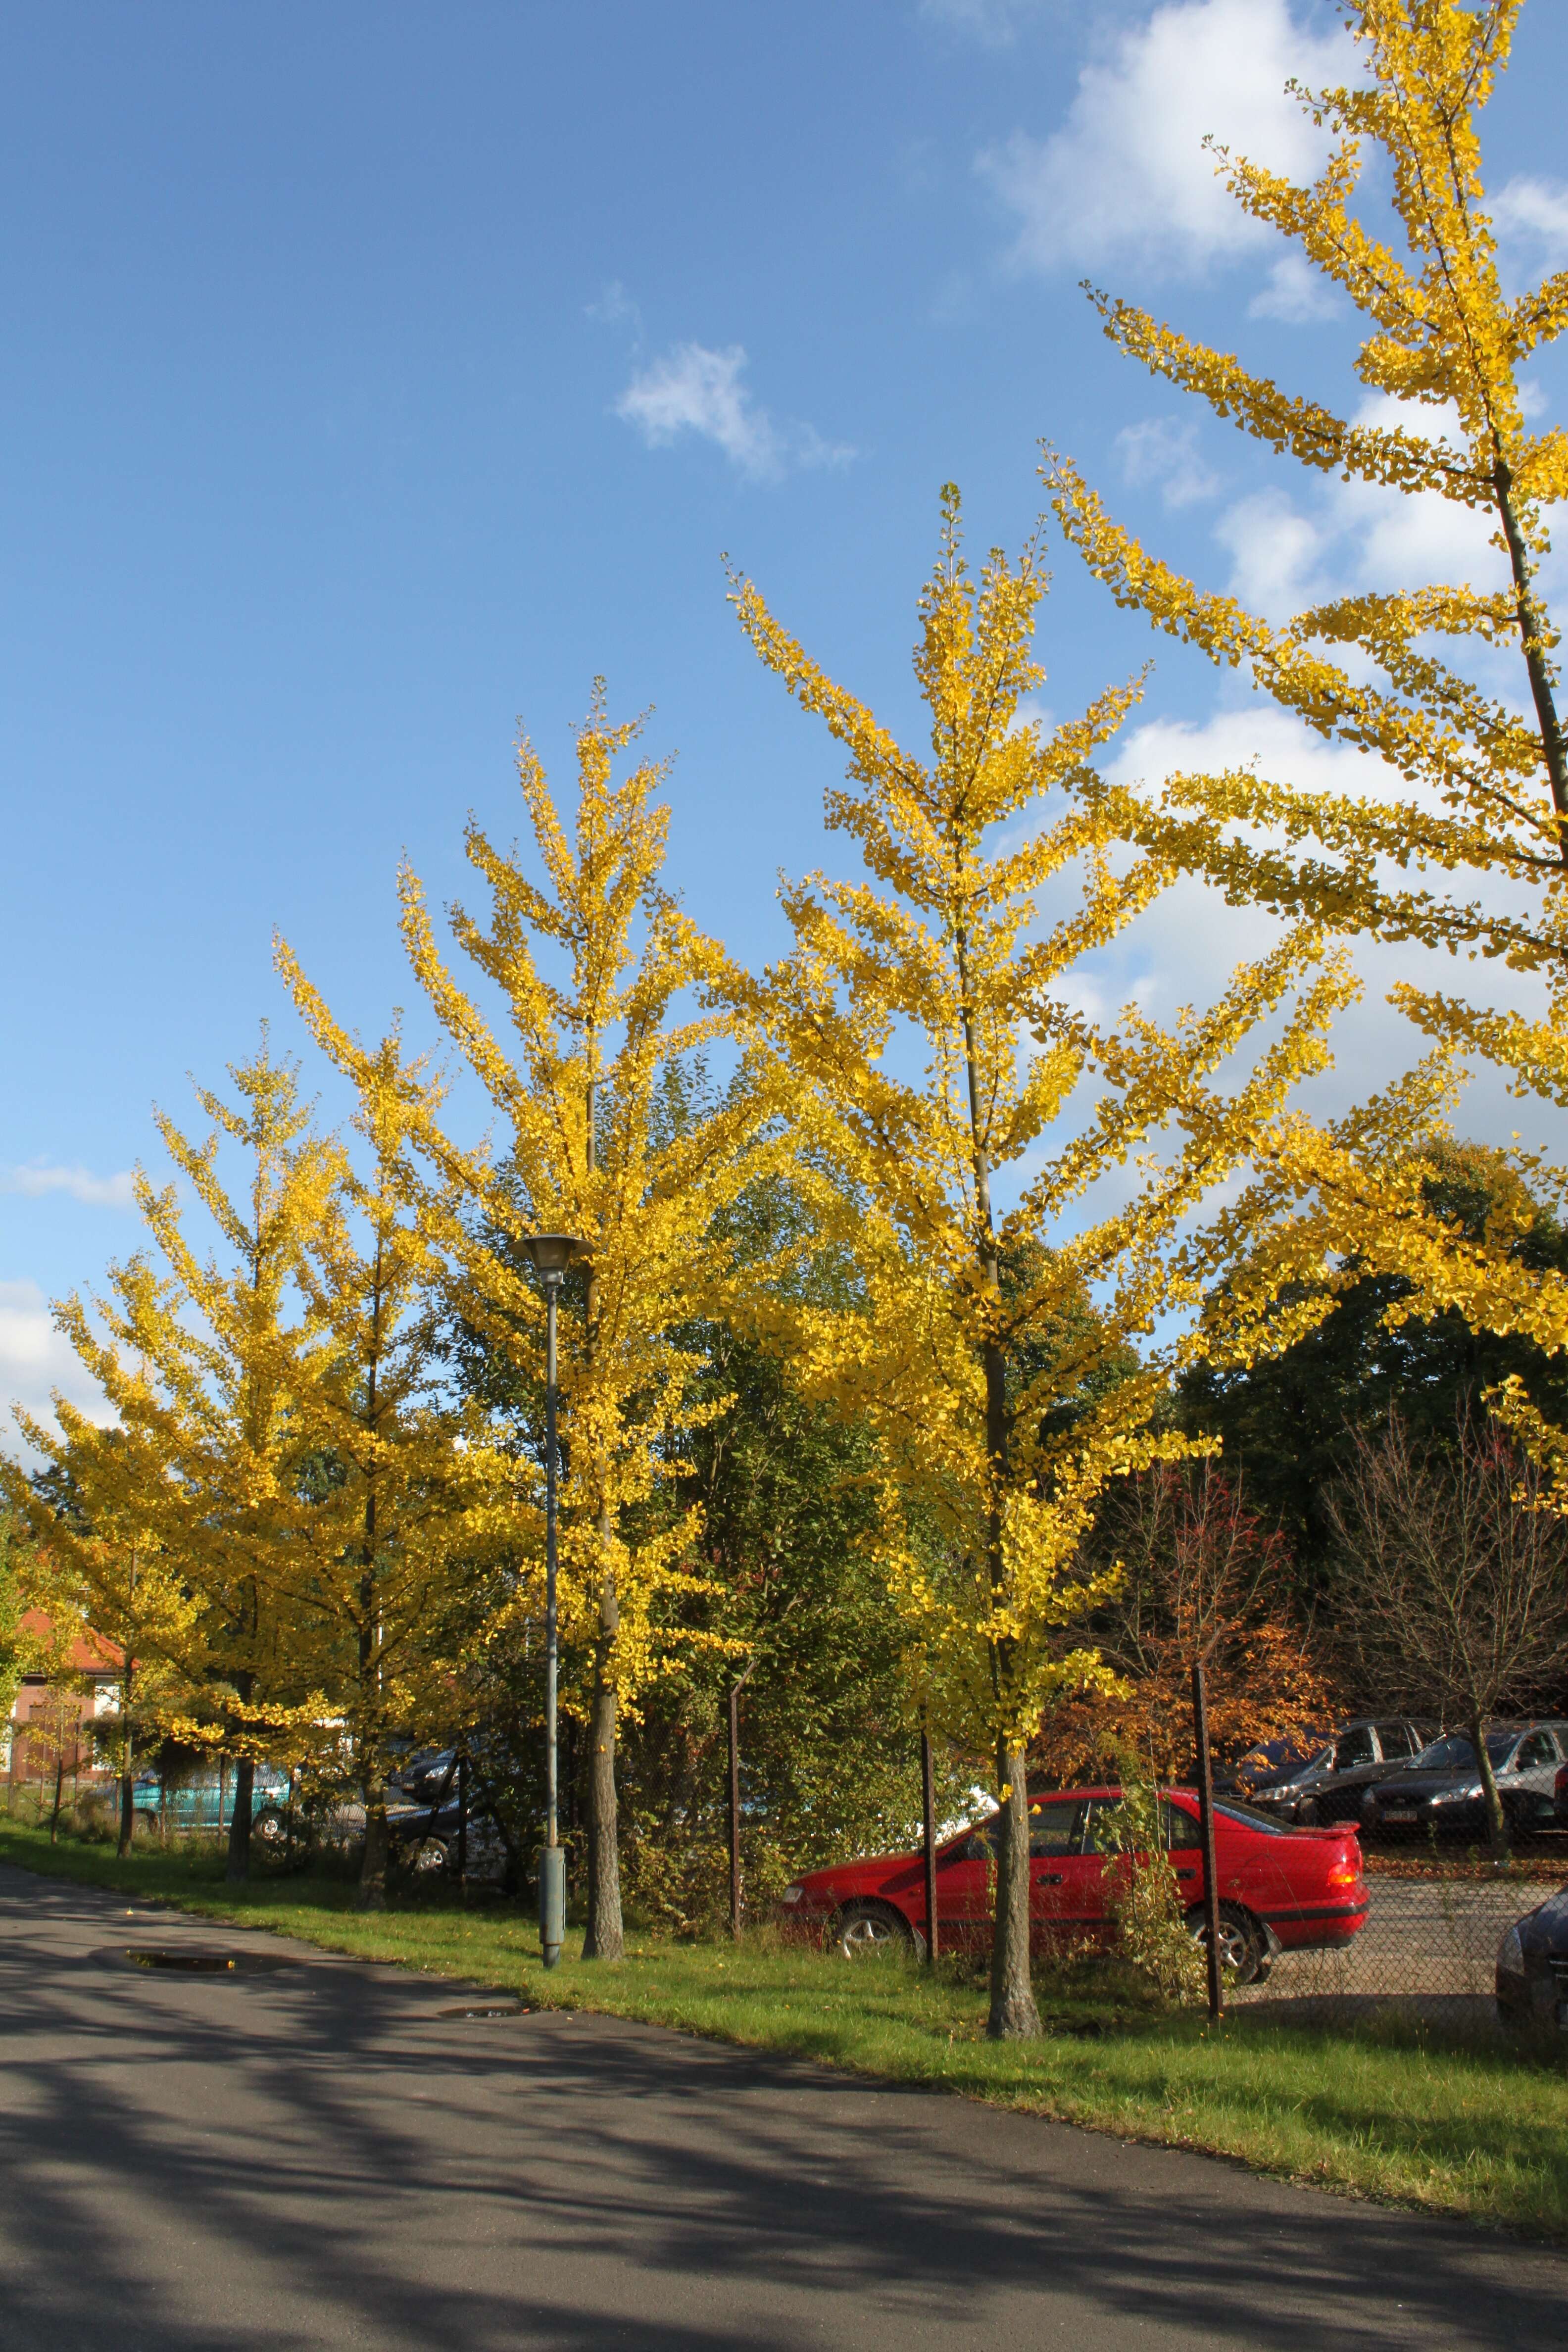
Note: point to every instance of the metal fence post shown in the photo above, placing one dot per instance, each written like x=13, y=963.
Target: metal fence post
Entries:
x=463, y=1820
x=735, y=1810
x=928, y=1821
x=1206, y=1831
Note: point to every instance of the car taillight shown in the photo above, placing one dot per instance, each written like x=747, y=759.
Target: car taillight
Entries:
x=1559, y=1787
x=1346, y=1872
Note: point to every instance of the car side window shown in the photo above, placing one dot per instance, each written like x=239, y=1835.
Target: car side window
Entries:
x=1395, y=1739
x=1053, y=1827
x=1539, y=1749
x=1183, y=1834
x=1354, y=1748
x=1179, y=1829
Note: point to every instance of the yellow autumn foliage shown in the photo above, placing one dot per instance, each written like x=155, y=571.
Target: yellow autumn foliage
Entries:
x=1011, y=1348
x=1468, y=851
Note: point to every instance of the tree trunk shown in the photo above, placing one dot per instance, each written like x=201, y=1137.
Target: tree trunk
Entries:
x=238, y=1869
x=1497, y=1820
x=60, y=1783
x=1533, y=638
x=1013, y=2011
x=605, y=1939
x=373, y=1869
x=1014, y=2016
x=373, y=1866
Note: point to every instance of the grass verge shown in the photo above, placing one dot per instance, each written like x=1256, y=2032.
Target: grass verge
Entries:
x=1394, y=2109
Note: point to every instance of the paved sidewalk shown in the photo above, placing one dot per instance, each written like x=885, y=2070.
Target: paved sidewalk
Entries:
x=311, y=2155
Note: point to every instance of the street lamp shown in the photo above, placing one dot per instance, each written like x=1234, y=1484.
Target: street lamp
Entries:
x=552, y=1253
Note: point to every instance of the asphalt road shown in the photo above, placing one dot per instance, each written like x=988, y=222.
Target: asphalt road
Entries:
x=312, y=2155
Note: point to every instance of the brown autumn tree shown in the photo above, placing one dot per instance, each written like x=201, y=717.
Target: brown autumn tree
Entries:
x=1201, y=1577
x=1451, y=1587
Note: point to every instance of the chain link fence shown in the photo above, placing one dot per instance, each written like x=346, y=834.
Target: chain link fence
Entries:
x=1429, y=1942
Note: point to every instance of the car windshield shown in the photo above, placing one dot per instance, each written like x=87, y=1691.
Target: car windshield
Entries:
x=1454, y=1753
x=1249, y=1818
x=1283, y=1754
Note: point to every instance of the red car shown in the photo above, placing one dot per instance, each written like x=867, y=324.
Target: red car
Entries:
x=1281, y=1889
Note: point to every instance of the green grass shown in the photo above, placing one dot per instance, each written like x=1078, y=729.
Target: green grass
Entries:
x=1394, y=2110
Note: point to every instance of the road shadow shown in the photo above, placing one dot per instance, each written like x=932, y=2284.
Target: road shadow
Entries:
x=315, y=2156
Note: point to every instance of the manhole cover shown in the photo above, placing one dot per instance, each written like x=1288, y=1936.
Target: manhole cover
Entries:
x=198, y=1960
x=196, y=1964
x=485, y=2008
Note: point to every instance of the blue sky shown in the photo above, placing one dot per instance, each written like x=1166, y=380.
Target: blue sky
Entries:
x=376, y=374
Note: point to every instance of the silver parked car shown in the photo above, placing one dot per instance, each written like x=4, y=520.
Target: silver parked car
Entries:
x=1439, y=1791
x=1329, y=1779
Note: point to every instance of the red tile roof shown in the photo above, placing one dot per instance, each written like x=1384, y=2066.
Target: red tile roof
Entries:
x=91, y=1653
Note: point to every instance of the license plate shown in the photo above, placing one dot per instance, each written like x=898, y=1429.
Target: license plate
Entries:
x=1399, y=1814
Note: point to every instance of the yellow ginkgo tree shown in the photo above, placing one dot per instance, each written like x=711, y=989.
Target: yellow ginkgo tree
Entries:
x=383, y=1576
x=1034, y=1202
x=98, y=1572
x=197, y=1485
x=606, y=1133
x=1452, y=687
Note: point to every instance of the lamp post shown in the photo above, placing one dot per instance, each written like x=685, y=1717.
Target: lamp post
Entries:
x=552, y=1253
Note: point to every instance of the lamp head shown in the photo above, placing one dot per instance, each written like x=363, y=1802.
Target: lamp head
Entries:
x=550, y=1253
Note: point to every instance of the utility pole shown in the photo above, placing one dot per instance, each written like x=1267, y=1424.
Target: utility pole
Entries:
x=552, y=1253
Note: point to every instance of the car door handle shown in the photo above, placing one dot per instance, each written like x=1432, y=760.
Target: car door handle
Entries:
x=1051, y=1878
x=1186, y=1873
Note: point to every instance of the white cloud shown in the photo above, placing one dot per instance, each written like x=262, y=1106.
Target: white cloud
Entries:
x=693, y=389
x=1128, y=170
x=1398, y=540
x=1295, y=292
x=1534, y=214
x=614, y=307
x=35, y=1361
x=1162, y=452
x=1260, y=735
x=36, y=1179
x=1275, y=553
x=1184, y=949
x=1355, y=534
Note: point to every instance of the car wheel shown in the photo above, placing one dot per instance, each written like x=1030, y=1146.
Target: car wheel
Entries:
x=863, y=1929
x=149, y=1822
x=269, y=1826
x=1243, y=1948
x=429, y=1858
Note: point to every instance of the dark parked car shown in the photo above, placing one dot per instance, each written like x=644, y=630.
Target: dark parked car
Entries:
x=425, y=1839
x=1281, y=1889
x=1439, y=1791
x=1533, y=1966
x=1329, y=1781
x=427, y=1777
